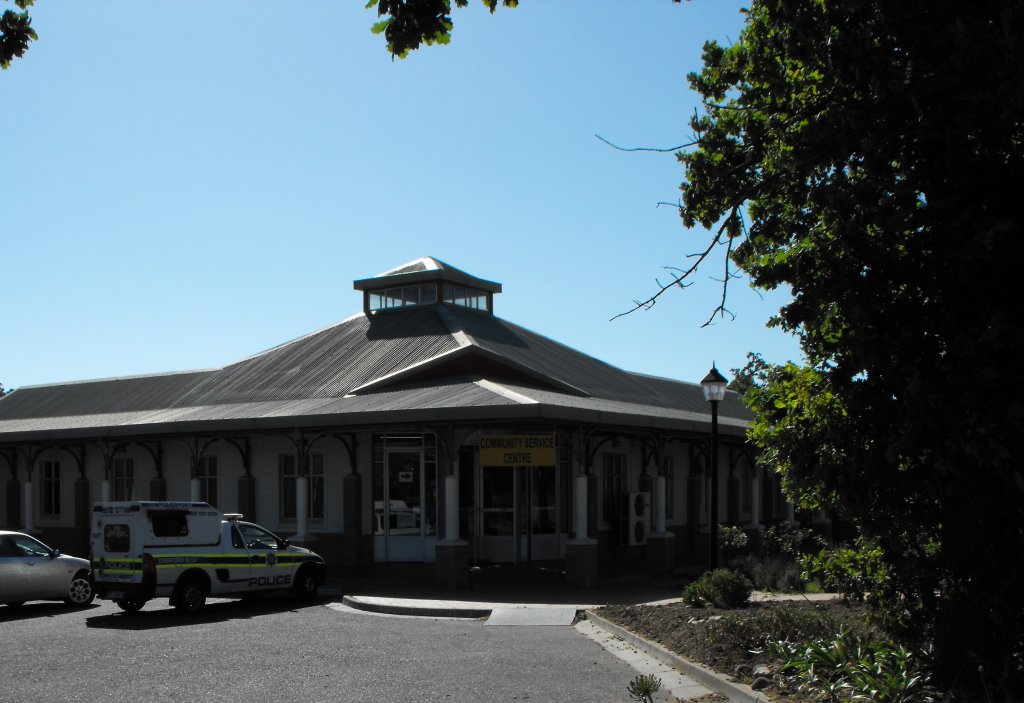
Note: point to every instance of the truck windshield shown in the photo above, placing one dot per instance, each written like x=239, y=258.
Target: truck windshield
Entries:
x=258, y=538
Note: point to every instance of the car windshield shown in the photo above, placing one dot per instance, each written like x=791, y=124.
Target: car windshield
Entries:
x=30, y=547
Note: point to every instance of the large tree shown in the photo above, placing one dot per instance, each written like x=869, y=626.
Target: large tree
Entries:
x=867, y=155
x=875, y=148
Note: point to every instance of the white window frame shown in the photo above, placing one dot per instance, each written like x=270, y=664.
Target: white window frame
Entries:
x=208, y=478
x=287, y=473
x=122, y=478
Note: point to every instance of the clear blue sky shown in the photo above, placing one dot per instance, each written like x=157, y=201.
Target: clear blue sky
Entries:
x=190, y=183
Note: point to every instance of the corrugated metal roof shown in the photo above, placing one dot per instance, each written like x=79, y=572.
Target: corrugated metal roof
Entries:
x=461, y=399
x=575, y=369
x=425, y=269
x=329, y=364
x=104, y=396
x=413, y=360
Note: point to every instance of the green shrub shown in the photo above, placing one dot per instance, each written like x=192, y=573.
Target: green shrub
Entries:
x=643, y=687
x=790, y=539
x=754, y=628
x=731, y=540
x=777, y=573
x=721, y=588
x=855, y=572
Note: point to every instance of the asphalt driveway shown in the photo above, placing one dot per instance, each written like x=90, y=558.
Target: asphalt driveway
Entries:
x=281, y=650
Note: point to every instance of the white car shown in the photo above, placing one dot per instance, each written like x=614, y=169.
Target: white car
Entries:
x=29, y=570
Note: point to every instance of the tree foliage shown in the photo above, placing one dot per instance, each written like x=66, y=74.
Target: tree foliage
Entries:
x=866, y=155
x=15, y=32
x=406, y=24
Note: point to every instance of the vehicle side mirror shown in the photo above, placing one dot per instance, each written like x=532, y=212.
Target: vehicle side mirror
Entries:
x=284, y=544
x=55, y=553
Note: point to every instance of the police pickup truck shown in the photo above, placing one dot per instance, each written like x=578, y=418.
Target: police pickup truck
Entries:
x=187, y=551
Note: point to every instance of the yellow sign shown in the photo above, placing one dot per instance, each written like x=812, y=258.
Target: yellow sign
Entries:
x=517, y=450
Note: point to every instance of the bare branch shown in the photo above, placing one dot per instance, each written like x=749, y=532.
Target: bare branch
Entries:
x=680, y=278
x=646, y=148
x=720, y=309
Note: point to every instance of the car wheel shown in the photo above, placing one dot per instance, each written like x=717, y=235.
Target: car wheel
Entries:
x=130, y=605
x=80, y=592
x=190, y=596
x=306, y=585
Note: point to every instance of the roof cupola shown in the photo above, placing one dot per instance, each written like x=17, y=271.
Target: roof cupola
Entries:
x=426, y=281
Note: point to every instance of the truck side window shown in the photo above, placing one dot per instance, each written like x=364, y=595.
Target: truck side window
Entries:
x=169, y=523
x=236, y=538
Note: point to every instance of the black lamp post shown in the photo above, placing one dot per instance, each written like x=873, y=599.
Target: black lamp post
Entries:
x=714, y=385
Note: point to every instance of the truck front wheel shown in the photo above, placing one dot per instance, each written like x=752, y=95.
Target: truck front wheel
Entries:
x=306, y=585
x=190, y=596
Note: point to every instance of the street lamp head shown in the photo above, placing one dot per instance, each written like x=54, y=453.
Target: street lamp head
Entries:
x=714, y=385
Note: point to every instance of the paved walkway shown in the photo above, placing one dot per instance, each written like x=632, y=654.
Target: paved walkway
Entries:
x=407, y=590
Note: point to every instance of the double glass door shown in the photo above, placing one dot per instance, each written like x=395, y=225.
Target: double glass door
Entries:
x=519, y=514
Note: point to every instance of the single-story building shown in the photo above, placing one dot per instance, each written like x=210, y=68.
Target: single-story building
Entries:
x=423, y=428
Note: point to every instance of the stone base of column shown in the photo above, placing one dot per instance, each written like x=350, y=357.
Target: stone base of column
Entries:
x=349, y=550
x=581, y=563
x=661, y=553
x=451, y=563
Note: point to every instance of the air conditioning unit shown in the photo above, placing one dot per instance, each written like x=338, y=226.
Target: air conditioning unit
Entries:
x=636, y=516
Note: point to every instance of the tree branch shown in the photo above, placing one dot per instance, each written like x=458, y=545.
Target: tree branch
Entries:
x=647, y=148
x=679, y=280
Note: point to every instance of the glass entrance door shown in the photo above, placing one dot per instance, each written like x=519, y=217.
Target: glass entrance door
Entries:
x=539, y=533
x=401, y=527
x=498, y=520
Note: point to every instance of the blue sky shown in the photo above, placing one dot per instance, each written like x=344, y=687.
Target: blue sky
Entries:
x=190, y=183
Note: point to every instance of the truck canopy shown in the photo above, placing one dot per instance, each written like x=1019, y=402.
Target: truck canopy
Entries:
x=125, y=526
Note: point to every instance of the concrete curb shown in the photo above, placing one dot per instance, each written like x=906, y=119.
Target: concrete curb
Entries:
x=708, y=678
x=414, y=610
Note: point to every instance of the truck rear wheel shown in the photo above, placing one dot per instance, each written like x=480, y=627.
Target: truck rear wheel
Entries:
x=130, y=605
x=306, y=585
x=190, y=596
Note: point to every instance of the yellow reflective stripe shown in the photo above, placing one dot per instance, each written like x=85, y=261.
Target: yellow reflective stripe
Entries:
x=212, y=565
x=121, y=565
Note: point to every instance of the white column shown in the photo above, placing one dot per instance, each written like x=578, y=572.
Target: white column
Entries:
x=451, y=508
x=659, y=505
x=105, y=490
x=301, y=507
x=29, y=522
x=194, y=490
x=755, y=503
x=581, y=507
